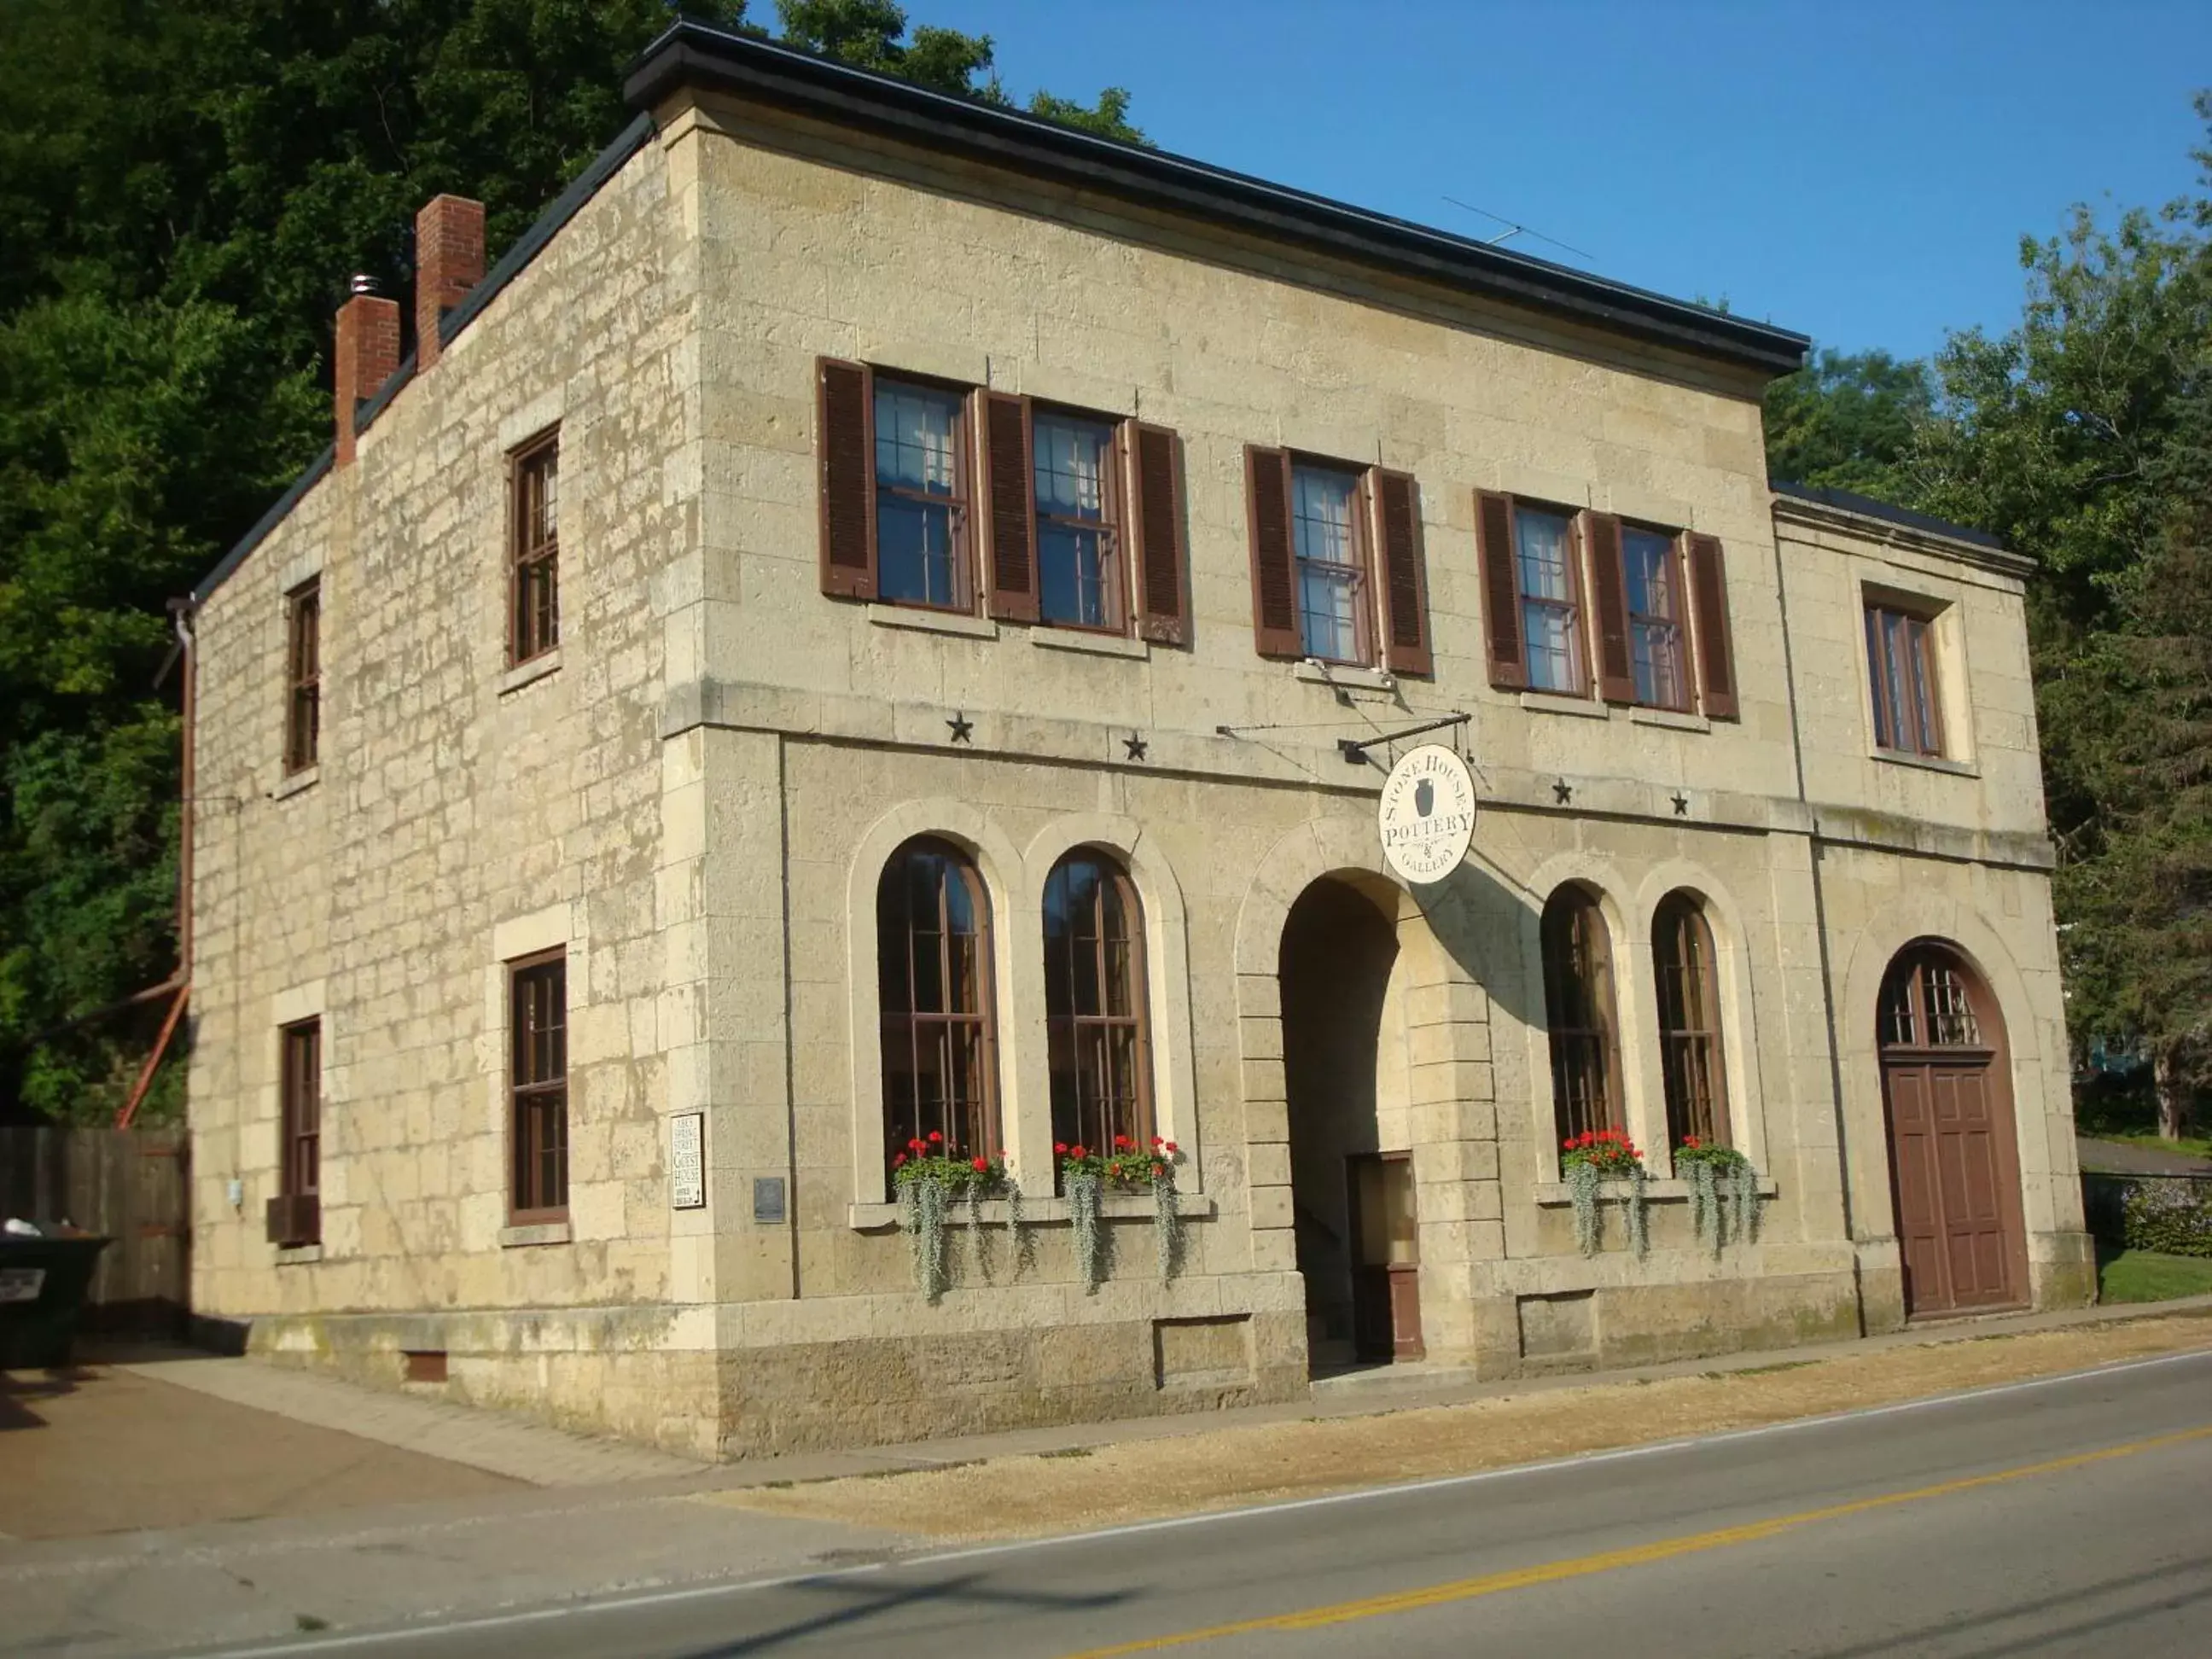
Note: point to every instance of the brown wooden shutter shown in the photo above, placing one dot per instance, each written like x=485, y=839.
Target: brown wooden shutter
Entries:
x=1405, y=574
x=1616, y=672
x=1274, y=584
x=1709, y=615
x=1158, y=600
x=1501, y=590
x=845, y=441
x=1009, y=492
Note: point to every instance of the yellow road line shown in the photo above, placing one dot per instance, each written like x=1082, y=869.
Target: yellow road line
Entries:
x=1464, y=1589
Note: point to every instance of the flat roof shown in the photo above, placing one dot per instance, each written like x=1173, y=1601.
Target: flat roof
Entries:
x=694, y=55
x=1868, y=507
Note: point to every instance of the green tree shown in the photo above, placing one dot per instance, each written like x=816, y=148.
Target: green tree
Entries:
x=186, y=187
x=1846, y=421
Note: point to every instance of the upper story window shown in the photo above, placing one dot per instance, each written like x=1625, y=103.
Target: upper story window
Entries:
x=1338, y=570
x=921, y=496
x=1331, y=552
x=1651, y=569
x=1576, y=603
x=1094, y=998
x=933, y=987
x=1549, y=598
x=1078, y=517
x=1578, y=1008
x=1908, y=715
x=303, y=676
x=951, y=497
x=538, y=989
x=534, y=563
x=1689, y=1022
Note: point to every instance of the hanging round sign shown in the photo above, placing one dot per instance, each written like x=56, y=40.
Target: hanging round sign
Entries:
x=1426, y=816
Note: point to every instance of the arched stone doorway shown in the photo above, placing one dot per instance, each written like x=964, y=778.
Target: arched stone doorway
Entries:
x=1954, y=1162
x=1351, y=1177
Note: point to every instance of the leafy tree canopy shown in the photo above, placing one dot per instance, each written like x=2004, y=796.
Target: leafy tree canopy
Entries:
x=1846, y=421
x=184, y=188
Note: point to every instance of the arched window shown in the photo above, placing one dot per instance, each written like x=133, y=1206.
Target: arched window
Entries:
x=1926, y=1004
x=1094, y=1002
x=934, y=977
x=1579, y=1008
x=1689, y=1022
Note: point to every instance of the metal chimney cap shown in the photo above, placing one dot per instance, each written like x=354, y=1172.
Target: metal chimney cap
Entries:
x=363, y=283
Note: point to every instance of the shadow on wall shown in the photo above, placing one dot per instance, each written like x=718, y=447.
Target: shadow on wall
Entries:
x=1490, y=925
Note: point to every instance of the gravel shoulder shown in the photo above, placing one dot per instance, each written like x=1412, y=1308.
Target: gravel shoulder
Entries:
x=1084, y=1489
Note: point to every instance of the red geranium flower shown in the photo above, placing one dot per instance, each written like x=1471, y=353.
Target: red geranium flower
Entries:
x=1076, y=1151
x=1171, y=1146
x=982, y=1164
x=900, y=1159
x=934, y=1137
x=1060, y=1147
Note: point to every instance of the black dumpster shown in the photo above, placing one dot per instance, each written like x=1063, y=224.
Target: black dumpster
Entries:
x=43, y=1283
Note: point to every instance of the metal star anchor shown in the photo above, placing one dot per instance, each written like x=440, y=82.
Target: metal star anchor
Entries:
x=963, y=729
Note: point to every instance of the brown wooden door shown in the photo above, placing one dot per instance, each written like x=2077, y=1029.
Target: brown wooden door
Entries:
x=1957, y=1203
x=1386, y=1267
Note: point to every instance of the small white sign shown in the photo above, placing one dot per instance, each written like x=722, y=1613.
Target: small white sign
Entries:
x=687, y=1160
x=21, y=1283
x=1427, y=815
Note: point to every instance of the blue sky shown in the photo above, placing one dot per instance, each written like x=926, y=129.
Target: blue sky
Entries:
x=1860, y=171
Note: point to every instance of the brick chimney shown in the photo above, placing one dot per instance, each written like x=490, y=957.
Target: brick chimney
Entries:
x=449, y=261
x=367, y=355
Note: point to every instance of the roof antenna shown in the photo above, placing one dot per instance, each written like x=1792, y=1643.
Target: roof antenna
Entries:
x=1513, y=230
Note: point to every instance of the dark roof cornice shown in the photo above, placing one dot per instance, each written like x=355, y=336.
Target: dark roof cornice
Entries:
x=691, y=55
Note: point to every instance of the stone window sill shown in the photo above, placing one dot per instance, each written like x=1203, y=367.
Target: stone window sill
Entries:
x=541, y=1232
x=296, y=1255
x=1036, y=1211
x=1674, y=720
x=1097, y=645
x=1554, y=702
x=1556, y=1192
x=529, y=673
x=933, y=622
x=1929, y=763
x=296, y=783
x=1346, y=674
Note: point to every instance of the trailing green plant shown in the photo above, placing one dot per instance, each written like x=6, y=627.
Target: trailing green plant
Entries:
x=930, y=1176
x=1088, y=1173
x=1588, y=1161
x=1724, y=1191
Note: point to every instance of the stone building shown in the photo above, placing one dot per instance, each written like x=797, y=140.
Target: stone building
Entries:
x=863, y=623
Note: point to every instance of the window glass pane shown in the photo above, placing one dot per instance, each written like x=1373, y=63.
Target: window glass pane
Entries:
x=1654, y=615
x=1649, y=561
x=1325, y=538
x=914, y=560
x=1072, y=569
x=916, y=443
x=1072, y=458
x=1543, y=549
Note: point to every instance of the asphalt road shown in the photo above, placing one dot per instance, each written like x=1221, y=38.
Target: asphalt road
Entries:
x=2070, y=1516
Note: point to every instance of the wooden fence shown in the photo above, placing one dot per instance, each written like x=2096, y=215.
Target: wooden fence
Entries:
x=131, y=1186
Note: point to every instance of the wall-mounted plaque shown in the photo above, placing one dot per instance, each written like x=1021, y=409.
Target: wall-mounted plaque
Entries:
x=687, y=1160
x=768, y=1200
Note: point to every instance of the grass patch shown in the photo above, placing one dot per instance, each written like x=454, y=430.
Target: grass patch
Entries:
x=2186, y=1146
x=1068, y=1451
x=2148, y=1276
x=307, y=1621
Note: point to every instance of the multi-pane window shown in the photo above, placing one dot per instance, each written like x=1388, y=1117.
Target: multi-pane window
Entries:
x=538, y=989
x=1926, y=1005
x=1901, y=664
x=1689, y=1022
x=1077, y=549
x=1578, y=1004
x=300, y=1109
x=921, y=496
x=1094, y=1000
x=303, y=676
x=933, y=978
x=1329, y=546
x=1551, y=619
x=534, y=581
x=1651, y=564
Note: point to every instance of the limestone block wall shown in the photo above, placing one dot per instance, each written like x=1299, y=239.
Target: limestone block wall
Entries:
x=461, y=814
